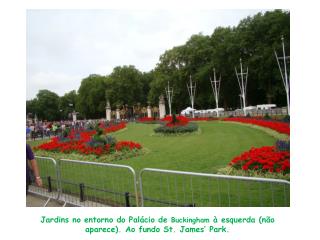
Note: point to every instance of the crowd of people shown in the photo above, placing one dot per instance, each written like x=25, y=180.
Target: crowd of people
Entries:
x=47, y=129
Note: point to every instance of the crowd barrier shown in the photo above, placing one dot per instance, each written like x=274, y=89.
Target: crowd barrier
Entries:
x=92, y=184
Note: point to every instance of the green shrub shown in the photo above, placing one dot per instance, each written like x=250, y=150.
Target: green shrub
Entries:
x=101, y=140
x=267, y=117
x=190, y=127
x=286, y=119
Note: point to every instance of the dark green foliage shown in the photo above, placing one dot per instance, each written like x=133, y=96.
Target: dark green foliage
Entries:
x=91, y=99
x=267, y=117
x=127, y=85
x=45, y=106
x=191, y=127
x=286, y=119
x=67, y=104
x=66, y=132
x=174, y=119
x=253, y=40
x=99, y=131
x=101, y=140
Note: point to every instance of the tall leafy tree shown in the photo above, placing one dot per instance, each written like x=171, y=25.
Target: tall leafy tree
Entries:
x=32, y=107
x=48, y=105
x=258, y=36
x=67, y=104
x=126, y=85
x=91, y=99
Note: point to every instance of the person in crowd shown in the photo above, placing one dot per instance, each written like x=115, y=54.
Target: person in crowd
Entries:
x=28, y=131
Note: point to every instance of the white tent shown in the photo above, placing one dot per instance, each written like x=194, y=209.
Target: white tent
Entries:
x=188, y=110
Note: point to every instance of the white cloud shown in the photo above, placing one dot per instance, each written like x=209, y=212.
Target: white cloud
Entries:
x=64, y=46
x=56, y=82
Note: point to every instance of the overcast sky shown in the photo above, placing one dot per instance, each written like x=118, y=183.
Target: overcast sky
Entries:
x=65, y=46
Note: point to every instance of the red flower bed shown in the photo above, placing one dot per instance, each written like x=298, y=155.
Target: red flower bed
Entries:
x=178, y=121
x=277, y=126
x=81, y=147
x=127, y=145
x=77, y=142
x=265, y=159
x=114, y=128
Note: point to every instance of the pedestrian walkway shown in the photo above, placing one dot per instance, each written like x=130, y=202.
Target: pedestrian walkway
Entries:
x=38, y=198
x=34, y=200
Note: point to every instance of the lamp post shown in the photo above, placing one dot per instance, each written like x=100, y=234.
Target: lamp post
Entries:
x=242, y=78
x=285, y=78
x=215, y=84
x=192, y=92
x=169, y=93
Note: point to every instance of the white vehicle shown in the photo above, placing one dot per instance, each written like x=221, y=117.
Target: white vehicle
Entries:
x=266, y=106
x=250, y=108
x=215, y=110
x=200, y=112
x=187, y=111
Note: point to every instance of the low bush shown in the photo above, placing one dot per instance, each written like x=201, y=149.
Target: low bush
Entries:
x=101, y=140
x=267, y=117
x=190, y=127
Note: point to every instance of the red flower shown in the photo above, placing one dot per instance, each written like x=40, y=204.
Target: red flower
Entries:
x=263, y=159
x=180, y=121
x=277, y=126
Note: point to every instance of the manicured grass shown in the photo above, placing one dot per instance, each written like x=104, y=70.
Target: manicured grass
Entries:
x=206, y=151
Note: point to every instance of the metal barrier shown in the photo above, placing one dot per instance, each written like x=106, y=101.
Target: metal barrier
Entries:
x=97, y=184
x=49, y=173
x=177, y=188
x=81, y=183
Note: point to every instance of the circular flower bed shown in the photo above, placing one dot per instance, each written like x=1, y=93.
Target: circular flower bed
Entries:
x=173, y=124
x=264, y=159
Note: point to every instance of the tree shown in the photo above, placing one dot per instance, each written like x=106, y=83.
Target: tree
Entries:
x=47, y=105
x=32, y=107
x=67, y=104
x=91, y=101
x=126, y=85
x=258, y=37
x=253, y=40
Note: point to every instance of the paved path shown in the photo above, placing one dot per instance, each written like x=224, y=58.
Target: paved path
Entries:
x=33, y=200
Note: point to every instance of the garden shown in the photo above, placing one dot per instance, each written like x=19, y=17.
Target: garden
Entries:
x=230, y=146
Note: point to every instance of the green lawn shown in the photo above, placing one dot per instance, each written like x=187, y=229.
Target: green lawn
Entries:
x=206, y=151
